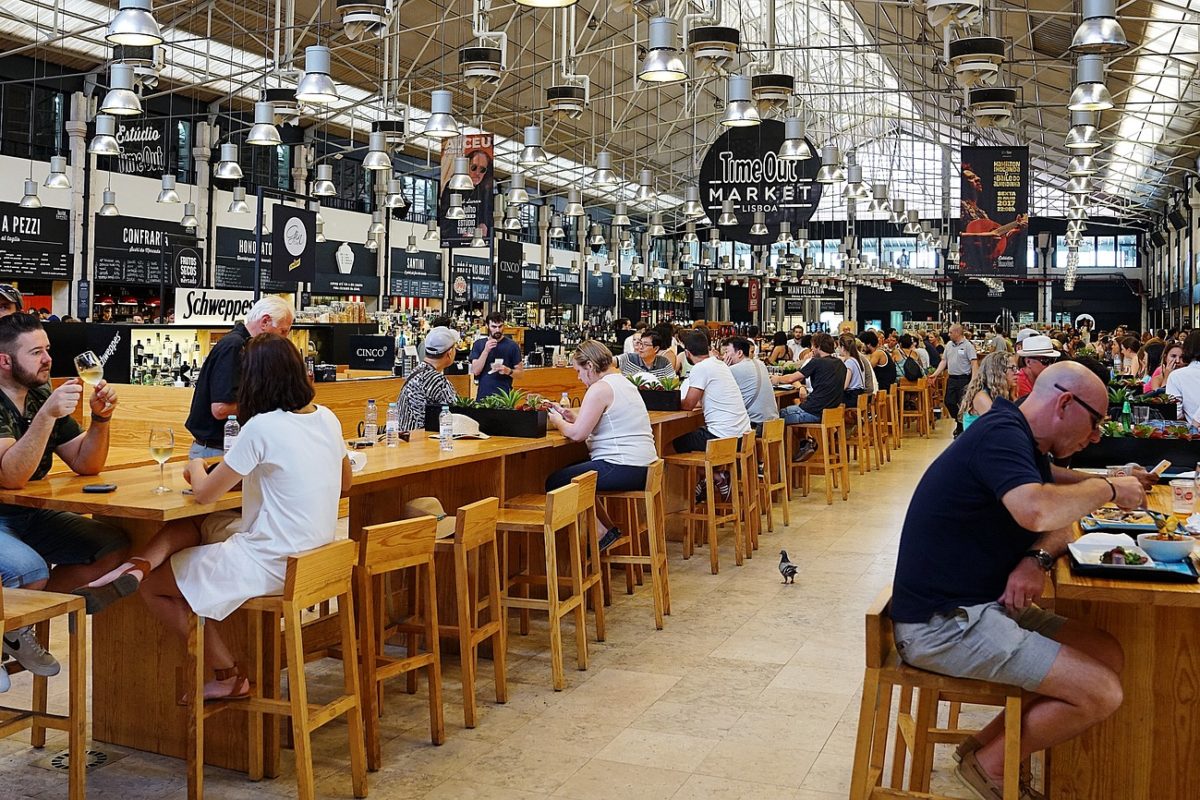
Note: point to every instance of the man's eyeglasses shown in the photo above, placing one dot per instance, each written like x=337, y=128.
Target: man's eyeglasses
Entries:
x=1097, y=417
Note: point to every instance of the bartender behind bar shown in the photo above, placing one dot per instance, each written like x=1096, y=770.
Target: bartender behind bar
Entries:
x=495, y=359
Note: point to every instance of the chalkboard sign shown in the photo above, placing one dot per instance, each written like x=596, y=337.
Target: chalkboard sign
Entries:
x=33, y=242
x=345, y=268
x=416, y=275
x=793, y=307
x=135, y=251
x=235, y=262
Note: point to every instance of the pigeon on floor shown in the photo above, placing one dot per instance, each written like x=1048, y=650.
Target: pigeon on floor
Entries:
x=786, y=568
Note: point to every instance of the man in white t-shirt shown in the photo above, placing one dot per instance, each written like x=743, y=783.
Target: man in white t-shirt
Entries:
x=796, y=345
x=710, y=386
x=753, y=381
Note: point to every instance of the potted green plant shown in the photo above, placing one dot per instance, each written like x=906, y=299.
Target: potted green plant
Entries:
x=661, y=394
x=506, y=413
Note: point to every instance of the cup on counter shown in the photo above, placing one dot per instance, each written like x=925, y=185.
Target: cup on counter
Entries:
x=358, y=460
x=1120, y=471
x=1183, y=497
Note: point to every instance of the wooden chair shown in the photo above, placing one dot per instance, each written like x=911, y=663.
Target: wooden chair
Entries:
x=746, y=483
x=881, y=410
x=593, y=580
x=643, y=512
x=21, y=607
x=561, y=515
x=387, y=551
x=774, y=483
x=917, y=733
x=830, y=460
x=718, y=455
x=918, y=413
x=477, y=589
x=325, y=573
x=859, y=432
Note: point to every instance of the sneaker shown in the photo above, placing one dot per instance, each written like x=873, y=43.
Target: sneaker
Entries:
x=806, y=449
x=5, y=681
x=610, y=536
x=724, y=489
x=701, y=492
x=22, y=644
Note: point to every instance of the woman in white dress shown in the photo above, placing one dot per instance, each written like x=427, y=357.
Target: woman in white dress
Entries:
x=291, y=461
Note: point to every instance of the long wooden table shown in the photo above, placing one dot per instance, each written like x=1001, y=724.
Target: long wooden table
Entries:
x=1150, y=748
x=139, y=663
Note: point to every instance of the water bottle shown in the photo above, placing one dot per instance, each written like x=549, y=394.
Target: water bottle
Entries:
x=371, y=421
x=232, y=429
x=565, y=400
x=446, y=428
x=393, y=425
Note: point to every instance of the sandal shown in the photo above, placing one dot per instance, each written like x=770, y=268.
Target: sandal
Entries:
x=240, y=690
x=98, y=598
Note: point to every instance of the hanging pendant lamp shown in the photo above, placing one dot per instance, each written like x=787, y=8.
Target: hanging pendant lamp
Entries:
x=57, y=178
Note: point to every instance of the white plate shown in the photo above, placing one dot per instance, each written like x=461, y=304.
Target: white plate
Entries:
x=1090, y=554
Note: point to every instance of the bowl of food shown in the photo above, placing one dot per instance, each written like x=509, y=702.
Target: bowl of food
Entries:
x=1166, y=545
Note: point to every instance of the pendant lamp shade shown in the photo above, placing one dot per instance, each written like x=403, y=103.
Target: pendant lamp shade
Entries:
x=794, y=147
x=431, y=231
x=604, y=177
x=441, y=123
x=395, y=194
x=556, y=227
x=1090, y=93
x=376, y=226
x=656, y=225
x=759, y=228
x=740, y=111
x=1081, y=166
x=411, y=248
x=692, y=208
x=517, y=194
x=460, y=181
x=120, y=99
x=323, y=185
x=57, y=178
x=134, y=25
x=532, y=154
x=30, y=198
x=645, y=190
x=480, y=237
x=168, y=194
x=104, y=143
x=189, y=216
x=546, y=3
x=455, y=211
x=239, y=205
x=621, y=216
x=264, y=133
x=663, y=62
x=1083, y=135
x=108, y=205
x=1099, y=32
x=378, y=159
x=316, y=87
x=227, y=168
x=727, y=217
x=831, y=170
x=574, y=206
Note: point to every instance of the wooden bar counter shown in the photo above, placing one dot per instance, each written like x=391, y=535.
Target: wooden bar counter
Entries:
x=138, y=664
x=1150, y=748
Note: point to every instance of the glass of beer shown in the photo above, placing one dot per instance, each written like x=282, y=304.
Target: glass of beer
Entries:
x=90, y=368
x=162, y=445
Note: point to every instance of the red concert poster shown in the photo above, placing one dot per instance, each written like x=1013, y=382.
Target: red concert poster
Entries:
x=995, y=210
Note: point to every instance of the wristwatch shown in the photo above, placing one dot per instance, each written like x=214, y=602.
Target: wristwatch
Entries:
x=1043, y=558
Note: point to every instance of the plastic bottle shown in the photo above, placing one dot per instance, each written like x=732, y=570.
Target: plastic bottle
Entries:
x=565, y=400
x=232, y=429
x=371, y=421
x=446, y=429
x=393, y=425
x=1126, y=417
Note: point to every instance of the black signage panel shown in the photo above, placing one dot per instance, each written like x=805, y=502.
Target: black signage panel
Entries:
x=471, y=279
x=831, y=305
x=83, y=299
x=235, y=263
x=294, y=244
x=509, y=257
x=699, y=281
x=372, y=352
x=135, y=251
x=570, y=292
x=345, y=268
x=187, y=264
x=111, y=343
x=33, y=242
x=793, y=307
x=743, y=165
x=416, y=275
x=143, y=148
x=600, y=290
x=531, y=275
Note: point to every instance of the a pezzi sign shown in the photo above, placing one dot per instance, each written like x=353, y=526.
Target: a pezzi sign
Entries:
x=211, y=306
x=743, y=165
x=33, y=242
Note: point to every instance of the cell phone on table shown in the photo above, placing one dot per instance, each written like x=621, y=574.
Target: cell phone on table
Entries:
x=1160, y=468
x=99, y=488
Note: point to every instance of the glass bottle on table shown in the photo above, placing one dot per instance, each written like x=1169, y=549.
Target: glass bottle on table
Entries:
x=1126, y=417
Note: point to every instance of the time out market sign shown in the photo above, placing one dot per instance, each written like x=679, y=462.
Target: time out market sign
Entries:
x=743, y=165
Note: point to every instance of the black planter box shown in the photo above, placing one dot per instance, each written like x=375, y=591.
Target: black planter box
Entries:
x=495, y=421
x=661, y=399
x=1110, y=451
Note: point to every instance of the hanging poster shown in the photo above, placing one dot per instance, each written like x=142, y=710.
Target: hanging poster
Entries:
x=754, y=294
x=477, y=148
x=293, y=243
x=33, y=242
x=187, y=263
x=345, y=268
x=416, y=274
x=567, y=286
x=236, y=259
x=471, y=280
x=135, y=251
x=995, y=210
x=742, y=165
x=143, y=148
x=509, y=257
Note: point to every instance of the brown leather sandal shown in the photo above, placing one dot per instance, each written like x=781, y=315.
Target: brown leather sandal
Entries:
x=98, y=598
x=241, y=687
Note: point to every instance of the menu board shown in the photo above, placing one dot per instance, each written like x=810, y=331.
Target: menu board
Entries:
x=33, y=242
x=135, y=251
x=472, y=279
x=345, y=268
x=416, y=274
x=235, y=262
x=569, y=291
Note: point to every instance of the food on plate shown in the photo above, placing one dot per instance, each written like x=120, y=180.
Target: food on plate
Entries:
x=1168, y=536
x=1122, y=555
x=1108, y=514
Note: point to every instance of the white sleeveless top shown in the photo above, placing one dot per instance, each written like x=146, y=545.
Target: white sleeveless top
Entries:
x=623, y=435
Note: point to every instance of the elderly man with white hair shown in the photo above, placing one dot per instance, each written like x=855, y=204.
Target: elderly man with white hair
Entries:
x=215, y=397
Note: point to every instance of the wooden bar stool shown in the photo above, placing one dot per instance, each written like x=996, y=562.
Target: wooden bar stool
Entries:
x=477, y=589
x=830, y=459
x=916, y=735
x=881, y=409
x=646, y=507
x=918, y=393
x=312, y=578
x=895, y=429
x=746, y=483
x=774, y=483
x=560, y=516
x=593, y=580
x=719, y=454
x=386, y=550
x=21, y=607
x=860, y=433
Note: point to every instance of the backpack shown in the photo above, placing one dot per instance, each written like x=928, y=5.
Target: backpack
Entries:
x=911, y=370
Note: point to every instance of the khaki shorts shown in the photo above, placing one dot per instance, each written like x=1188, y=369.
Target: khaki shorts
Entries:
x=219, y=526
x=985, y=643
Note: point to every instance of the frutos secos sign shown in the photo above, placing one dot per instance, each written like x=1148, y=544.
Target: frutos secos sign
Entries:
x=743, y=166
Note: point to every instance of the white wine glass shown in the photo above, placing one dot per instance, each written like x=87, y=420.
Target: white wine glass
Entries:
x=90, y=368
x=162, y=445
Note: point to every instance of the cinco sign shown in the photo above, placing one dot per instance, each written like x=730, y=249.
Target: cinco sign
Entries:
x=742, y=165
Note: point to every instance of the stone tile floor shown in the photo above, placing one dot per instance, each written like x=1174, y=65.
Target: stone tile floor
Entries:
x=750, y=691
